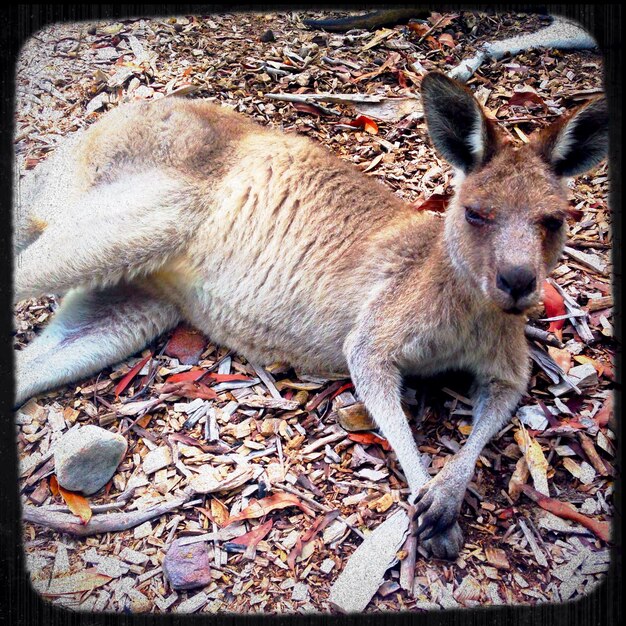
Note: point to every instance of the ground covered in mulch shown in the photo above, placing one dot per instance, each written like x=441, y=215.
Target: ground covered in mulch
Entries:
x=301, y=489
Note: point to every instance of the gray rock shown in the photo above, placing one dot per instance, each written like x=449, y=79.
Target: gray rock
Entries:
x=187, y=567
x=86, y=458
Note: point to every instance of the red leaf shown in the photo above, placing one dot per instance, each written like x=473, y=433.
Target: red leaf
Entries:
x=128, y=378
x=252, y=538
x=228, y=378
x=555, y=306
x=368, y=124
x=524, y=98
x=418, y=28
x=77, y=504
x=601, y=418
x=189, y=390
x=318, y=525
x=259, y=508
x=186, y=344
x=567, y=511
x=192, y=375
x=329, y=391
x=437, y=202
x=306, y=107
x=369, y=438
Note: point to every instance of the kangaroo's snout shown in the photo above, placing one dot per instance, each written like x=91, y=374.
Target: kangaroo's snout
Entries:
x=517, y=281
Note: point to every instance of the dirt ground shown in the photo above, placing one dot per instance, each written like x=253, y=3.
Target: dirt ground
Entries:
x=346, y=483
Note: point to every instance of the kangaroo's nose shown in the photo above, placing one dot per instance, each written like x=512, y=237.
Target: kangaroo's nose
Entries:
x=517, y=281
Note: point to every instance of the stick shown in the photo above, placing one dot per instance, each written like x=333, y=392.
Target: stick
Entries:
x=407, y=565
x=375, y=19
x=542, y=336
x=337, y=98
x=567, y=511
x=65, y=523
x=579, y=323
x=560, y=34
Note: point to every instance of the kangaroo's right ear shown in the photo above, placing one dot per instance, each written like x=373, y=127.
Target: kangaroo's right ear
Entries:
x=456, y=123
x=574, y=144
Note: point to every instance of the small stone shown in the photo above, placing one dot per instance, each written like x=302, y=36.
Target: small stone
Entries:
x=327, y=566
x=187, y=566
x=355, y=418
x=86, y=458
x=267, y=36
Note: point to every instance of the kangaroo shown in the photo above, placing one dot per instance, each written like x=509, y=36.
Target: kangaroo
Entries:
x=272, y=246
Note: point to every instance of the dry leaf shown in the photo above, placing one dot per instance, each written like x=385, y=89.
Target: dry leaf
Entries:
x=119, y=388
x=525, y=98
x=518, y=479
x=190, y=390
x=252, y=538
x=562, y=357
x=536, y=461
x=192, y=375
x=447, y=40
x=368, y=438
x=77, y=504
x=259, y=508
x=554, y=304
x=567, y=511
x=220, y=513
x=309, y=107
x=318, y=526
x=436, y=202
x=368, y=124
x=81, y=581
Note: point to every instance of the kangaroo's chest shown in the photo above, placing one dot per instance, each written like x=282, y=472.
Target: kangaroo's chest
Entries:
x=476, y=345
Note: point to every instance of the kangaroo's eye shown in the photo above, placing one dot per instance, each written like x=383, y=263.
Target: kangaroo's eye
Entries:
x=476, y=218
x=552, y=224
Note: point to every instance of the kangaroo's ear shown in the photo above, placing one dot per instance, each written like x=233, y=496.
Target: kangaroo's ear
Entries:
x=576, y=143
x=456, y=123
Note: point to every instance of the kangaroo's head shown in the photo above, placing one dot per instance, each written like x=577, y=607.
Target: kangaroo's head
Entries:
x=505, y=227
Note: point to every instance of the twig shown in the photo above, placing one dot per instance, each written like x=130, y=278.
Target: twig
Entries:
x=567, y=511
x=542, y=336
x=407, y=565
x=66, y=523
x=579, y=323
x=337, y=98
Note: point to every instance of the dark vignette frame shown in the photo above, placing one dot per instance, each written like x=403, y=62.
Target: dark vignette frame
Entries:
x=20, y=605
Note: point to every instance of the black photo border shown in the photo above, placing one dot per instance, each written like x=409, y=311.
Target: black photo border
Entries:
x=19, y=603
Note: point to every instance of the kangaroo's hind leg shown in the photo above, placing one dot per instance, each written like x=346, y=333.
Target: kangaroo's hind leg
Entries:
x=116, y=231
x=91, y=330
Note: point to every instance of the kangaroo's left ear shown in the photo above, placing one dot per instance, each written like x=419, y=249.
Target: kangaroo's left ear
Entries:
x=574, y=144
x=456, y=123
